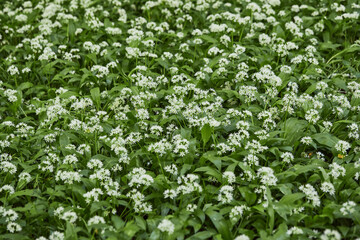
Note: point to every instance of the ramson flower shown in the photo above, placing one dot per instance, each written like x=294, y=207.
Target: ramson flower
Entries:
x=330, y=235
x=328, y=187
x=348, y=208
x=166, y=226
x=242, y=237
x=226, y=194
x=342, y=146
x=311, y=194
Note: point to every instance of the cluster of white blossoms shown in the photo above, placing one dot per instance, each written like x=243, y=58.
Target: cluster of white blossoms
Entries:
x=139, y=177
x=166, y=226
x=226, y=194
x=130, y=119
x=69, y=216
x=311, y=194
x=342, y=146
x=238, y=211
x=330, y=234
x=294, y=231
x=9, y=217
x=348, y=208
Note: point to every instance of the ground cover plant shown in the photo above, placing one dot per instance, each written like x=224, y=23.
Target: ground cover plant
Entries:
x=179, y=119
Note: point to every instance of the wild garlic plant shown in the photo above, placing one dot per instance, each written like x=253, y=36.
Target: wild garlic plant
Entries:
x=179, y=119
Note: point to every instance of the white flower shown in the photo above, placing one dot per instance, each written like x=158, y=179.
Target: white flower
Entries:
x=13, y=227
x=191, y=207
x=171, y=169
x=139, y=204
x=242, y=237
x=69, y=216
x=267, y=176
x=287, y=157
x=181, y=145
x=342, y=146
x=348, y=208
x=68, y=177
x=139, y=177
x=170, y=193
x=312, y=116
x=294, y=230
x=70, y=159
x=13, y=70
x=337, y=170
x=327, y=125
x=96, y=220
x=229, y=176
x=93, y=194
x=9, y=215
x=311, y=194
x=328, y=188
x=11, y=95
x=57, y=236
x=100, y=71
x=226, y=194
x=330, y=235
x=7, y=188
x=306, y=140
x=238, y=211
x=166, y=226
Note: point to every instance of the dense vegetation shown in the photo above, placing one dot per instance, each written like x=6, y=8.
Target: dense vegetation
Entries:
x=179, y=119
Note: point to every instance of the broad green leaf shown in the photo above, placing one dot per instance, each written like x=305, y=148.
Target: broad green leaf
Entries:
x=291, y=198
x=24, y=86
x=249, y=196
x=220, y=223
x=270, y=209
x=201, y=235
x=211, y=172
x=118, y=222
x=326, y=139
x=70, y=233
x=140, y=222
x=294, y=130
x=28, y=192
x=131, y=229
x=206, y=132
x=95, y=95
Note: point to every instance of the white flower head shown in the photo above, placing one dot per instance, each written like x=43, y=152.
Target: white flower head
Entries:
x=166, y=226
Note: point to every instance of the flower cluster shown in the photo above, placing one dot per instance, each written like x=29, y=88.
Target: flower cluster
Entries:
x=179, y=119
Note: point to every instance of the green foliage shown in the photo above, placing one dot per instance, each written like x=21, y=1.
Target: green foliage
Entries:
x=179, y=119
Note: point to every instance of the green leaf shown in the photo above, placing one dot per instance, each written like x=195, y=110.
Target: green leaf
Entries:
x=291, y=198
x=70, y=233
x=248, y=195
x=131, y=229
x=201, y=235
x=220, y=224
x=294, y=130
x=270, y=209
x=281, y=233
x=71, y=31
x=140, y=222
x=206, y=132
x=118, y=222
x=14, y=236
x=210, y=171
x=326, y=139
x=24, y=86
x=208, y=38
x=27, y=192
x=155, y=235
x=299, y=169
x=95, y=95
